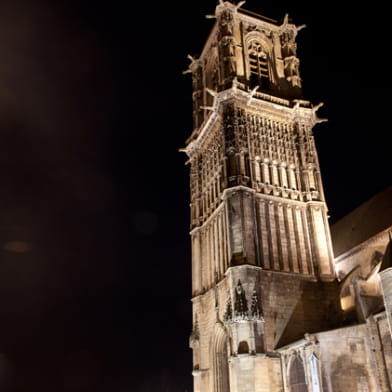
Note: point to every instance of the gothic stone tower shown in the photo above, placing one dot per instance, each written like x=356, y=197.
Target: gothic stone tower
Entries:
x=262, y=262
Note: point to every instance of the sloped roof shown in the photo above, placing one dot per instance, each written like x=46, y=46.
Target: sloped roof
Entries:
x=369, y=219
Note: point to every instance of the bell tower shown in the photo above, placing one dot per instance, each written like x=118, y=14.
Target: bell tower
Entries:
x=261, y=246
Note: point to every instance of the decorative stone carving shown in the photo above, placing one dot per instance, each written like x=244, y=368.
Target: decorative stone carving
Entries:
x=195, y=334
x=288, y=34
x=241, y=310
x=240, y=302
x=228, y=316
x=255, y=307
x=226, y=22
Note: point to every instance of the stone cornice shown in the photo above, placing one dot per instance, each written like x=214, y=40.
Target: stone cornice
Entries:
x=276, y=108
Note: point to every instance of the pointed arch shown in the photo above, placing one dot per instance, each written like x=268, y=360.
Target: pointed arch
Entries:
x=220, y=359
x=315, y=373
x=297, y=379
x=258, y=54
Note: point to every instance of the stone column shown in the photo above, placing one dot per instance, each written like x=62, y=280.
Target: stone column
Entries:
x=386, y=287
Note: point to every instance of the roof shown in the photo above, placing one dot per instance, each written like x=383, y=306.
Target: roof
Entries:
x=258, y=16
x=370, y=218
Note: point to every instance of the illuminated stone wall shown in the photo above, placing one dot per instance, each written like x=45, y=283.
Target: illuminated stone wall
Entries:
x=294, y=306
x=381, y=346
x=357, y=270
x=257, y=203
x=344, y=359
x=386, y=286
x=263, y=270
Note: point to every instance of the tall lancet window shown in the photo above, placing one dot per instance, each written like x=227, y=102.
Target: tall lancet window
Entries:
x=258, y=64
x=297, y=379
x=314, y=371
x=221, y=362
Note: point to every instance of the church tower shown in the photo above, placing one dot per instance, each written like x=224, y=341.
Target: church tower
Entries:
x=261, y=248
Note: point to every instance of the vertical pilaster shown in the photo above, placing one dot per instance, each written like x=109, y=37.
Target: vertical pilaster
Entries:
x=386, y=287
x=240, y=209
x=321, y=244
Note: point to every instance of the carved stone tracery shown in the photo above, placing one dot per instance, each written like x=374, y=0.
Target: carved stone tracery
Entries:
x=240, y=310
x=288, y=34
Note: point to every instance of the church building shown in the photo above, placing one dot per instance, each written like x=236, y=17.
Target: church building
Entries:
x=281, y=302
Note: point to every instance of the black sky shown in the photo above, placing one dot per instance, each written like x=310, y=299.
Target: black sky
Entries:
x=95, y=254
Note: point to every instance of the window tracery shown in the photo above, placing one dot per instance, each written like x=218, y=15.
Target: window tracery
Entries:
x=297, y=380
x=314, y=372
x=258, y=64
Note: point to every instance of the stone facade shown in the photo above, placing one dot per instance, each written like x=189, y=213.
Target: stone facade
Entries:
x=272, y=309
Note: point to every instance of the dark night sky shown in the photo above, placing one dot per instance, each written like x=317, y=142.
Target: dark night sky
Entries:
x=95, y=254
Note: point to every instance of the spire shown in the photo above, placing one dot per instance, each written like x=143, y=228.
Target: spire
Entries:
x=228, y=316
x=240, y=304
x=255, y=307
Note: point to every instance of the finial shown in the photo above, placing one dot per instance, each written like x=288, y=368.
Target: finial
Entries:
x=221, y=3
x=251, y=94
x=286, y=22
x=240, y=4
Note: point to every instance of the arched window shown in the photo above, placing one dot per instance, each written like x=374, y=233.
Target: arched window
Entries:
x=297, y=379
x=243, y=347
x=221, y=362
x=314, y=371
x=258, y=64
